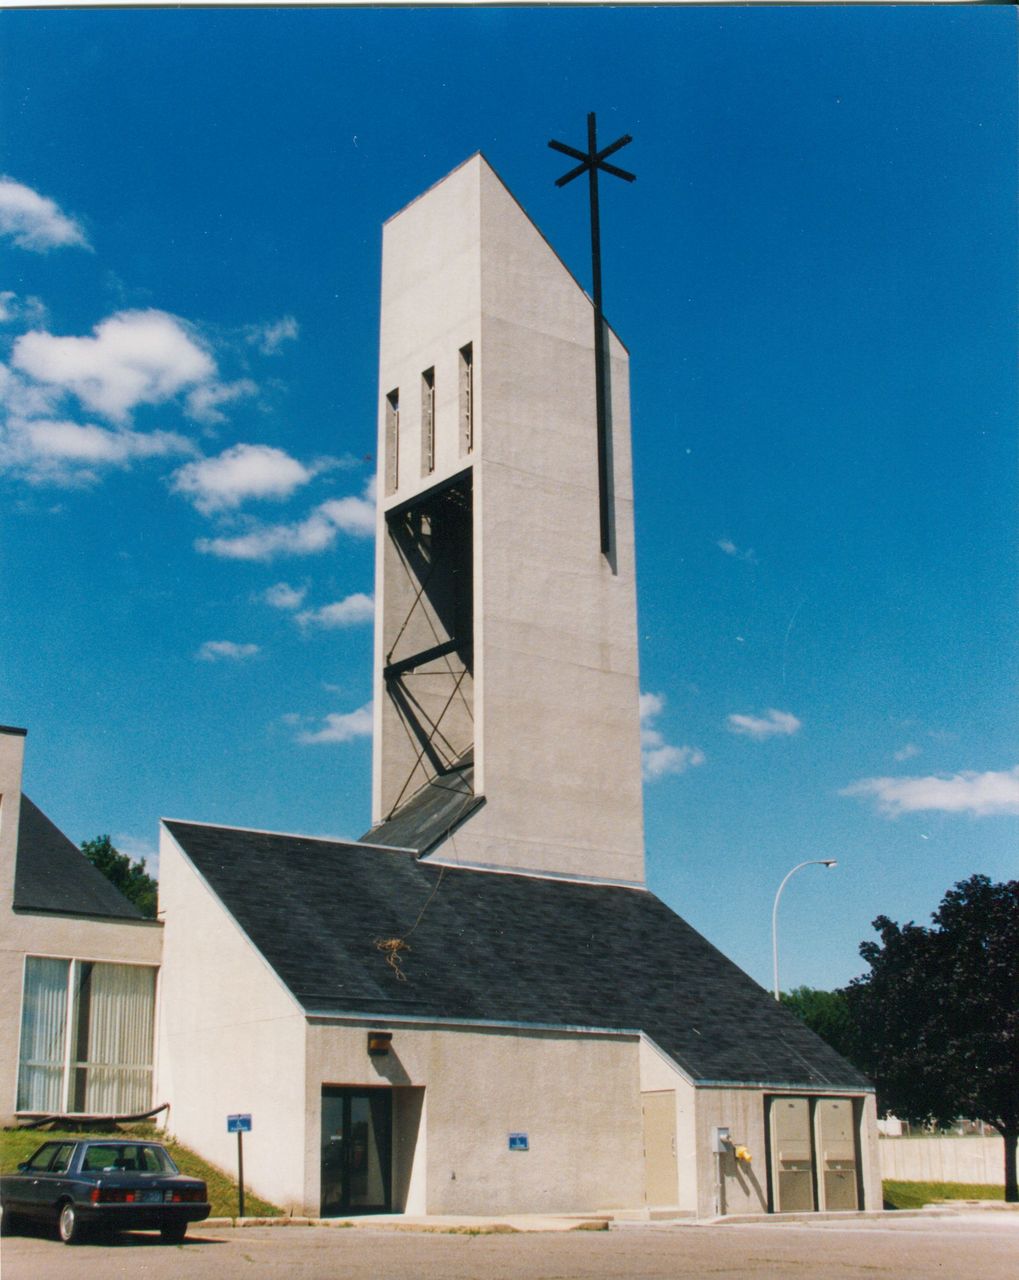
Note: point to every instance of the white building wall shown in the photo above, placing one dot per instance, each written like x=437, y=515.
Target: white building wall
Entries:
x=230, y=1039
x=576, y=1097
x=555, y=689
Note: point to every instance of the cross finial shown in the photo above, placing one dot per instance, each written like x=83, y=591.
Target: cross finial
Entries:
x=591, y=161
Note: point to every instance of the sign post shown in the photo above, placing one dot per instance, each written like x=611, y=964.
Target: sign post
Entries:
x=239, y=1125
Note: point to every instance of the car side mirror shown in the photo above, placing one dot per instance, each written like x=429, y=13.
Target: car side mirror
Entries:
x=23, y=1167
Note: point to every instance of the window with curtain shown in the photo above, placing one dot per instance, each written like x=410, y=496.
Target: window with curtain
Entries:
x=86, y=1037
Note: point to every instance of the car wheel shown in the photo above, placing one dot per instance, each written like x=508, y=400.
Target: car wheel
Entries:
x=8, y=1222
x=173, y=1232
x=69, y=1224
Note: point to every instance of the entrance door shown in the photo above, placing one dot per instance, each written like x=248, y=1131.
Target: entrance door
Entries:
x=661, y=1183
x=836, y=1145
x=792, y=1155
x=357, y=1126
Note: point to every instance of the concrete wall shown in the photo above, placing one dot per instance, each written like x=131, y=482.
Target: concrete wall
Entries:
x=431, y=308
x=743, y=1188
x=577, y=1098
x=555, y=676
x=230, y=1039
x=970, y=1159
x=33, y=933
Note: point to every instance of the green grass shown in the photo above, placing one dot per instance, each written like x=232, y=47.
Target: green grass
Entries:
x=912, y=1195
x=18, y=1144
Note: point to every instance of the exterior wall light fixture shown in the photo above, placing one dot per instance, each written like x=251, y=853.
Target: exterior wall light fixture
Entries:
x=378, y=1043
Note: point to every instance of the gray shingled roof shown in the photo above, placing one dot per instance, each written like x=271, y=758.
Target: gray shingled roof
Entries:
x=492, y=947
x=430, y=815
x=54, y=875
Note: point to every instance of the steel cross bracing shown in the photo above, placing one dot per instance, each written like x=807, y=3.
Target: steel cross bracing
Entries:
x=425, y=733
x=591, y=161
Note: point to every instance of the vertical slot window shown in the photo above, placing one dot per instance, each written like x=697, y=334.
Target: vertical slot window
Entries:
x=467, y=399
x=428, y=422
x=392, y=441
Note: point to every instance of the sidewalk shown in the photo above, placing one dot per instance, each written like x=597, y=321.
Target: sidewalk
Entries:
x=610, y=1219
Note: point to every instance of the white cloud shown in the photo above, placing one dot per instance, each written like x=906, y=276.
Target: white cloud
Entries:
x=338, y=727
x=907, y=752
x=270, y=337
x=772, y=724
x=30, y=310
x=979, y=794
x=315, y=533
x=650, y=705
x=133, y=357
x=203, y=402
x=69, y=454
x=141, y=850
x=730, y=548
x=36, y=222
x=228, y=650
x=283, y=596
x=243, y=471
x=659, y=757
x=344, y=613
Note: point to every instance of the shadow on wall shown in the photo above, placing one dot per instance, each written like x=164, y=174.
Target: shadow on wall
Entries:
x=746, y=1180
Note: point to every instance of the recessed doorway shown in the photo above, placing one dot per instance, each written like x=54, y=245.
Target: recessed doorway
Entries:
x=357, y=1141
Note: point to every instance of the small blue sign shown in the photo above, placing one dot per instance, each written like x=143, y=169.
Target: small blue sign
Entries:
x=238, y=1124
x=518, y=1142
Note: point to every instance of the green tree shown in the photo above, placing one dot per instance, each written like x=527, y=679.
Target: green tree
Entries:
x=936, y=1021
x=128, y=876
x=826, y=1013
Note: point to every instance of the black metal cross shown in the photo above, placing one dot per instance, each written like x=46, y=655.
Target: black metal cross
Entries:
x=590, y=162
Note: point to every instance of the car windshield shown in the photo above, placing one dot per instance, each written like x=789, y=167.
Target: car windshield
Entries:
x=126, y=1157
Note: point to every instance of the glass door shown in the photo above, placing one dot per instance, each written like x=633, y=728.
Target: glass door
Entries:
x=356, y=1151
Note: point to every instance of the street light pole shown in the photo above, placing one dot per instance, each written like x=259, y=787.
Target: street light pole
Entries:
x=810, y=862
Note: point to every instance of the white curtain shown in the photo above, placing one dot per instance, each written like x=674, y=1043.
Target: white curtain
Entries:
x=43, y=1035
x=120, y=1022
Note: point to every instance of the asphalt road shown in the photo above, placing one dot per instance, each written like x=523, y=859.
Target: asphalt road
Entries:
x=975, y=1246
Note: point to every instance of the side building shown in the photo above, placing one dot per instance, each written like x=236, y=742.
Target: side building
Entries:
x=479, y=1008
x=79, y=969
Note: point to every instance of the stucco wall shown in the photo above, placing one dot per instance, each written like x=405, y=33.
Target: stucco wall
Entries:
x=576, y=1097
x=231, y=1038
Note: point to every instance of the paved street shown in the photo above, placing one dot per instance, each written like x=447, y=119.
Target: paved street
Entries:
x=973, y=1246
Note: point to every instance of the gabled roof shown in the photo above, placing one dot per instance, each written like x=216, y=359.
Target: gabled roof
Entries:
x=53, y=875
x=493, y=947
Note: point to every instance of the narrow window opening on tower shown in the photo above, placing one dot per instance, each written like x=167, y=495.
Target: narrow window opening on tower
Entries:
x=392, y=441
x=428, y=422
x=467, y=399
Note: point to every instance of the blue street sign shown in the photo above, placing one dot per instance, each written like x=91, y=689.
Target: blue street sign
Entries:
x=238, y=1124
x=518, y=1142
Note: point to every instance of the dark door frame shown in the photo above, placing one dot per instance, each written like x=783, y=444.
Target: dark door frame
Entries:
x=383, y=1137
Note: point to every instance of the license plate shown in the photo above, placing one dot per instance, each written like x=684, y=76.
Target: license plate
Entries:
x=150, y=1197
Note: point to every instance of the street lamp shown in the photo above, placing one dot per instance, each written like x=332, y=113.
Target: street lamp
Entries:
x=811, y=862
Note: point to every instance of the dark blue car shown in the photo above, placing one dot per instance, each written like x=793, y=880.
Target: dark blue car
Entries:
x=114, y=1184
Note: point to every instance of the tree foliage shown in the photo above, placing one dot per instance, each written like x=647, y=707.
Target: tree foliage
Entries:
x=130, y=877
x=936, y=1021
x=826, y=1013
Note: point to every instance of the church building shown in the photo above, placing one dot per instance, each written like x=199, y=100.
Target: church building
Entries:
x=478, y=1007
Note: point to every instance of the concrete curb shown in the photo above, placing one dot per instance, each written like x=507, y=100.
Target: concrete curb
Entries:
x=433, y=1226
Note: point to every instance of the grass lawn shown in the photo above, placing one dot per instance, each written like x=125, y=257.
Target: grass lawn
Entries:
x=911, y=1195
x=18, y=1144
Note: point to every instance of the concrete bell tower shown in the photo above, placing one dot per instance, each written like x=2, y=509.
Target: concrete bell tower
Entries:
x=506, y=727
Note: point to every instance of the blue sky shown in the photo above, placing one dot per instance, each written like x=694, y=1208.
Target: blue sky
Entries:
x=815, y=273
